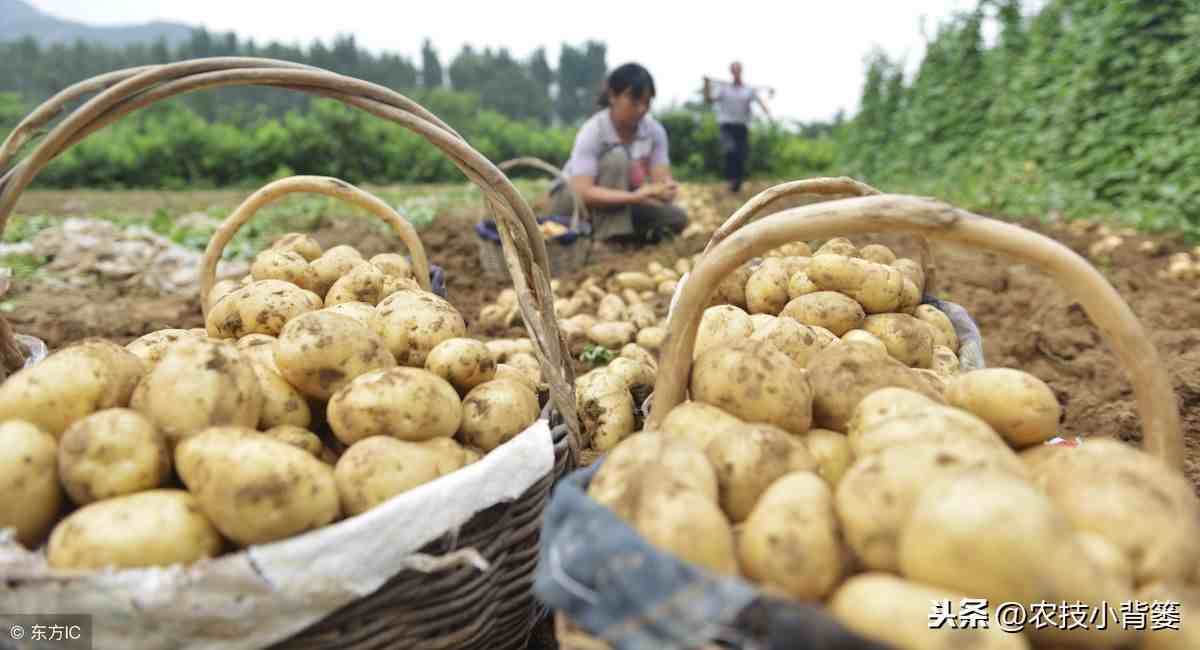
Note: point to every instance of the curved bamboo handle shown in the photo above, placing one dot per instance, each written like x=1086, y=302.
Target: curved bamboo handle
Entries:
x=1156, y=402
x=824, y=186
x=328, y=186
x=530, y=161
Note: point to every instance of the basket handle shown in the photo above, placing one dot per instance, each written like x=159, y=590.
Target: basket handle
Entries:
x=537, y=163
x=1156, y=401
x=328, y=186
x=125, y=91
x=825, y=186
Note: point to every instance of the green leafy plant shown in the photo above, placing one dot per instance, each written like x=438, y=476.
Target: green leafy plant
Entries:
x=596, y=355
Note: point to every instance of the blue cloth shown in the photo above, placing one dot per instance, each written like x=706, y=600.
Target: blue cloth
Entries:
x=437, y=280
x=970, y=341
x=486, y=229
x=606, y=578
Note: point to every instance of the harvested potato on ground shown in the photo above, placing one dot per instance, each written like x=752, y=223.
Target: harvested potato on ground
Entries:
x=652, y=338
x=699, y=423
x=375, y=469
x=364, y=283
x=281, y=402
x=1129, y=497
x=842, y=375
x=566, y=307
x=642, y=315
x=28, y=481
x=285, y=265
x=667, y=287
x=755, y=382
x=465, y=363
x=152, y=528
x=721, y=325
x=635, y=280
x=797, y=341
x=394, y=265
x=150, y=348
x=254, y=488
x=606, y=409
x=301, y=243
x=1018, y=405
x=993, y=534
x=638, y=376
x=877, y=287
x=262, y=307
x=905, y=337
x=612, y=334
x=298, y=437
x=790, y=542
x=936, y=423
x=799, y=284
x=638, y=353
x=686, y=524
x=612, y=308
x=749, y=460
x=320, y=352
x=863, y=336
x=943, y=328
x=494, y=412
x=834, y=311
x=832, y=452
x=415, y=322
x=683, y=265
x=112, y=453
x=332, y=265
x=199, y=384
x=877, y=253
x=877, y=494
x=890, y=609
x=767, y=288
x=407, y=403
x=944, y=362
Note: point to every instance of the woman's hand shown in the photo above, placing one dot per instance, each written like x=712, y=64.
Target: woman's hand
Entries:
x=648, y=194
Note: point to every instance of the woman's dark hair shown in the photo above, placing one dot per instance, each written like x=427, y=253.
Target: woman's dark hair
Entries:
x=630, y=76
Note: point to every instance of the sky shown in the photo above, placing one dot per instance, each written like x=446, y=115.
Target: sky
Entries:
x=811, y=52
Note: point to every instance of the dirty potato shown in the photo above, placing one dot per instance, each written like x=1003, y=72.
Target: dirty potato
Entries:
x=465, y=363
x=495, y=411
x=285, y=265
x=834, y=311
x=262, y=307
x=112, y=453
x=405, y=403
x=755, y=382
x=320, y=352
x=29, y=481
x=415, y=322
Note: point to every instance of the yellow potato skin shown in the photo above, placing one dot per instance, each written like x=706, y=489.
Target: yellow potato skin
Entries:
x=755, y=382
x=494, y=412
x=417, y=321
x=28, y=481
x=834, y=311
x=406, y=403
x=465, y=363
x=321, y=352
x=1018, y=405
x=112, y=453
x=379, y=468
x=66, y=386
x=905, y=338
x=261, y=307
x=749, y=461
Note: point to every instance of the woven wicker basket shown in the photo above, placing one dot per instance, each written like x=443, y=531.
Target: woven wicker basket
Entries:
x=567, y=252
x=1156, y=402
x=456, y=606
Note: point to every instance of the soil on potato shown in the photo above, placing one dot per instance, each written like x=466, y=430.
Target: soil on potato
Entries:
x=1027, y=321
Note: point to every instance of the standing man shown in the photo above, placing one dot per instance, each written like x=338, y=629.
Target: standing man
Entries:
x=733, y=102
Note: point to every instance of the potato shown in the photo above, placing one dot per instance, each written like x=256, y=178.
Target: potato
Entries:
x=906, y=339
x=152, y=528
x=936, y=381
x=605, y=407
x=1165, y=628
x=220, y=290
x=28, y=481
x=635, y=280
x=832, y=452
x=790, y=542
x=910, y=298
x=566, y=307
x=494, y=412
x=799, y=284
x=64, y=387
x=755, y=382
x=494, y=317
x=301, y=243
x=686, y=524
x=254, y=488
x=842, y=375
x=298, y=437
x=721, y=325
x=636, y=375
x=377, y=468
x=943, y=328
x=834, y=311
x=877, y=287
x=667, y=288
x=642, y=315
x=395, y=265
x=513, y=373
x=321, y=352
x=944, y=362
x=415, y=322
x=618, y=482
x=877, y=494
x=1108, y=556
x=1127, y=496
x=612, y=334
x=896, y=611
x=281, y=402
x=767, y=288
x=699, y=423
x=112, y=453
x=361, y=312
x=612, y=308
x=748, y=461
x=527, y=364
x=150, y=347
x=465, y=363
x=262, y=307
x=126, y=367
x=825, y=338
x=285, y=265
x=934, y=424
x=799, y=342
x=863, y=336
x=883, y=404
x=877, y=253
x=683, y=265
x=638, y=353
x=994, y=535
x=913, y=272
x=1018, y=405
x=332, y=265
x=364, y=283
x=407, y=403
x=259, y=348
x=837, y=246
x=652, y=338
x=732, y=290
x=199, y=384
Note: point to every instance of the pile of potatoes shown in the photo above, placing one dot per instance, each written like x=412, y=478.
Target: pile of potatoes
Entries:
x=321, y=387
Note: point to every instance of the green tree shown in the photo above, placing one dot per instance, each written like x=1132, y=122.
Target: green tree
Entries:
x=431, y=66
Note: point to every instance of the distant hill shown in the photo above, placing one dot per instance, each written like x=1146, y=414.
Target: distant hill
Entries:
x=21, y=19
